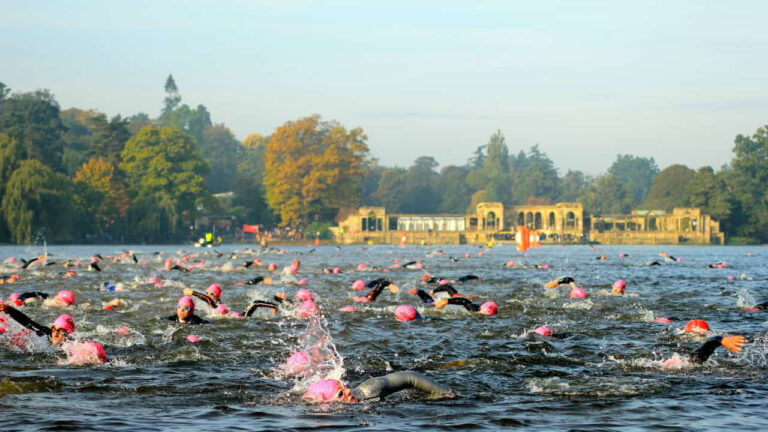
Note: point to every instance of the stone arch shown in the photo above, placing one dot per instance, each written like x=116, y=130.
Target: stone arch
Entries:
x=537, y=220
x=551, y=220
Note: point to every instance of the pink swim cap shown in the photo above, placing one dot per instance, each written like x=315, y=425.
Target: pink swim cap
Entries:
x=361, y=299
x=186, y=301
x=297, y=362
x=362, y=266
x=215, y=289
x=65, y=322
x=336, y=270
x=307, y=308
x=405, y=313
x=99, y=351
x=489, y=308
x=543, y=330
x=662, y=320
x=154, y=280
x=235, y=314
x=620, y=284
x=347, y=309
x=222, y=309
x=301, y=282
x=358, y=285
x=303, y=294
x=13, y=297
x=66, y=297
x=578, y=293
x=510, y=263
x=13, y=259
x=272, y=267
x=192, y=338
x=324, y=391
x=442, y=282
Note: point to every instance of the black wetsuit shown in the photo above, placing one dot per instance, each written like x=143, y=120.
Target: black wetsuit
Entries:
x=378, y=286
x=193, y=319
x=468, y=305
x=206, y=298
x=425, y=297
x=257, y=304
x=33, y=295
x=94, y=266
x=762, y=306
x=467, y=278
x=653, y=263
x=27, y=263
x=381, y=387
x=409, y=263
x=255, y=280
x=179, y=268
x=566, y=280
x=247, y=264
x=702, y=353
x=447, y=288
x=27, y=322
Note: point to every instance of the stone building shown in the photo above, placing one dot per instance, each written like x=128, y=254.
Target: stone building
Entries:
x=556, y=224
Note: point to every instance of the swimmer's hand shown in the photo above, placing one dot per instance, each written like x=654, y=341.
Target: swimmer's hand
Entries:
x=3, y=306
x=441, y=303
x=280, y=295
x=267, y=281
x=733, y=343
x=188, y=291
x=393, y=289
x=551, y=284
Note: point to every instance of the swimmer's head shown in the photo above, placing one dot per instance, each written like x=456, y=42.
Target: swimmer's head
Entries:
x=358, y=285
x=222, y=309
x=62, y=326
x=696, y=326
x=185, y=308
x=577, y=292
x=619, y=286
x=405, y=313
x=489, y=308
x=328, y=390
x=303, y=295
x=543, y=331
x=65, y=298
x=214, y=290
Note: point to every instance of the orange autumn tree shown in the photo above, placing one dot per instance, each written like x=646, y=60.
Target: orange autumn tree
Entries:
x=107, y=199
x=313, y=168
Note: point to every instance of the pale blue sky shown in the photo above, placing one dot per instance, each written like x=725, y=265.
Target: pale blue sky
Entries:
x=586, y=80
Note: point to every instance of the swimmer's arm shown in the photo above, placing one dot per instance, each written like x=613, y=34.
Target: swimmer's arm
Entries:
x=211, y=302
x=702, y=353
x=447, y=288
x=25, y=321
x=468, y=305
x=381, y=387
x=257, y=304
x=426, y=298
x=197, y=320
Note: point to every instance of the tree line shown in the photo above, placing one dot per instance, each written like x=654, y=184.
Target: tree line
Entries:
x=78, y=175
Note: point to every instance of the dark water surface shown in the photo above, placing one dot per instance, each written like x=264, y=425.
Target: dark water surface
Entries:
x=606, y=376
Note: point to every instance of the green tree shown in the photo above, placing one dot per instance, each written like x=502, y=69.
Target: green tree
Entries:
x=222, y=152
x=421, y=181
x=636, y=174
x=391, y=190
x=109, y=137
x=37, y=199
x=748, y=182
x=455, y=193
x=494, y=177
x=137, y=122
x=33, y=120
x=164, y=173
x=605, y=195
x=535, y=177
x=572, y=186
x=172, y=96
x=671, y=188
x=76, y=137
x=709, y=192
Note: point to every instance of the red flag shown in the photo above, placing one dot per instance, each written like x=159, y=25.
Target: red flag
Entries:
x=251, y=228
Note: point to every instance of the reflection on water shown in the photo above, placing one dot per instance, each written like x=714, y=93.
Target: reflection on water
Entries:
x=604, y=374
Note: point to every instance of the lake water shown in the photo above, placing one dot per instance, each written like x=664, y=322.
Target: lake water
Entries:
x=606, y=375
